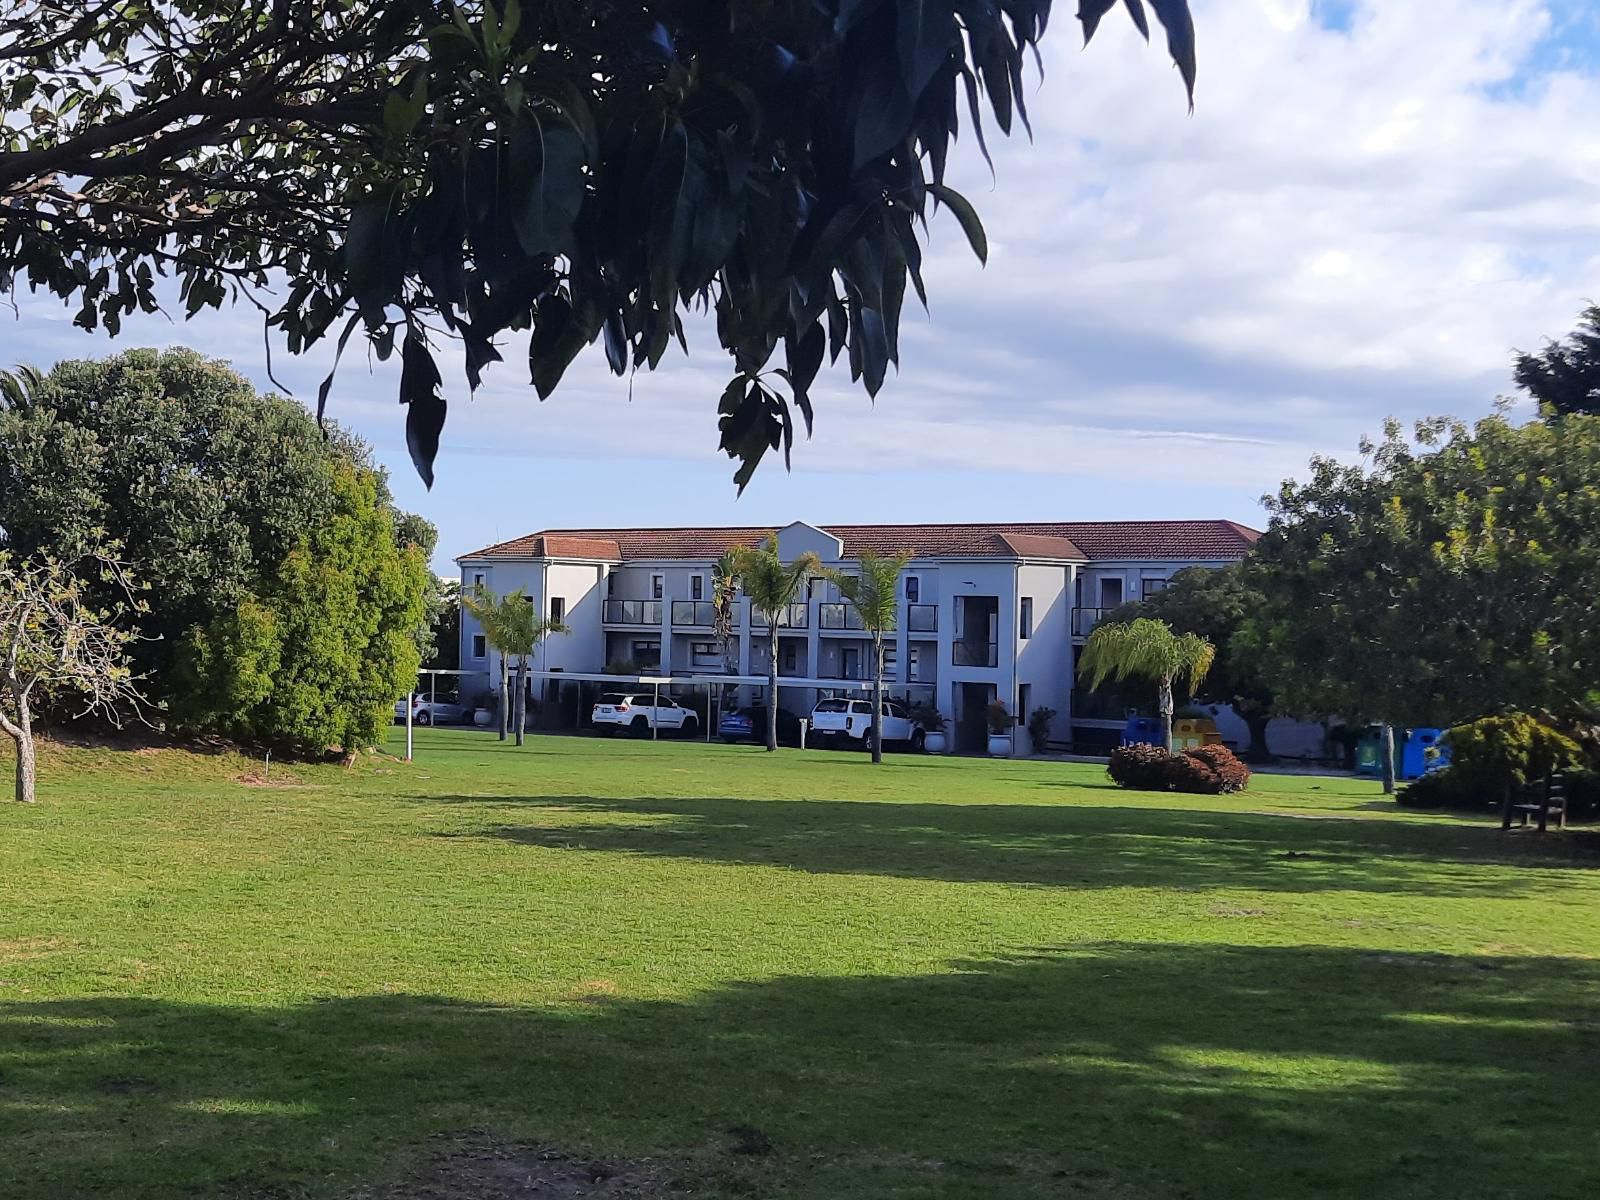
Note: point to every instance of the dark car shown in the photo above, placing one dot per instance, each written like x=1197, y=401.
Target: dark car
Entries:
x=750, y=725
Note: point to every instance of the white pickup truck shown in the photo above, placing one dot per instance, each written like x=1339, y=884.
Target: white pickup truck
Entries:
x=837, y=722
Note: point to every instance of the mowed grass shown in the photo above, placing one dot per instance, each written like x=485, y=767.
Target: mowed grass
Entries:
x=939, y=978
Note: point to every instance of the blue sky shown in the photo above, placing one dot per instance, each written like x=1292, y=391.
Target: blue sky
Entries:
x=1371, y=206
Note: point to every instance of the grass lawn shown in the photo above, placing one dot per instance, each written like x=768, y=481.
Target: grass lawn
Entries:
x=941, y=978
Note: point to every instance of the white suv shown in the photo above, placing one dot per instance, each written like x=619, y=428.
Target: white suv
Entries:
x=640, y=713
x=836, y=721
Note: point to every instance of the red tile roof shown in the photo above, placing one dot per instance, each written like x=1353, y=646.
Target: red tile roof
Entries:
x=1203, y=540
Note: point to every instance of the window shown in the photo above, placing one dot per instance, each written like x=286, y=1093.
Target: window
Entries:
x=861, y=706
x=648, y=654
x=913, y=589
x=851, y=660
x=705, y=649
x=480, y=646
x=558, y=608
x=657, y=586
x=1025, y=624
x=611, y=584
x=791, y=658
x=832, y=706
x=1024, y=698
x=477, y=579
x=1110, y=593
x=914, y=661
x=1149, y=587
x=891, y=657
x=697, y=587
x=815, y=586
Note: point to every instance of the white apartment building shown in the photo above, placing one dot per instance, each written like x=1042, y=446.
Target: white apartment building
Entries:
x=990, y=611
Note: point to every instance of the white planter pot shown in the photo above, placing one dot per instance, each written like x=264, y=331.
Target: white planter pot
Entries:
x=1000, y=745
x=483, y=717
x=935, y=742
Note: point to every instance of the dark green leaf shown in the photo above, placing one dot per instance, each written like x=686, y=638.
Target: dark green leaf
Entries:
x=968, y=216
x=425, y=407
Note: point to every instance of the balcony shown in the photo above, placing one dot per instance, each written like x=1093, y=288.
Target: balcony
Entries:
x=1085, y=619
x=975, y=654
x=795, y=616
x=632, y=612
x=835, y=615
x=922, y=618
x=693, y=614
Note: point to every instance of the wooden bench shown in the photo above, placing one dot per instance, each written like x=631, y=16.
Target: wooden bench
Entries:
x=1542, y=799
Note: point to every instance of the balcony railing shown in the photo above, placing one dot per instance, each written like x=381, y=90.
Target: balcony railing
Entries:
x=794, y=616
x=1085, y=619
x=834, y=615
x=632, y=612
x=694, y=614
x=975, y=654
x=922, y=618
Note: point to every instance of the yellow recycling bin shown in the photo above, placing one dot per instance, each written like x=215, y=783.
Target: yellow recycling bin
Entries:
x=1189, y=733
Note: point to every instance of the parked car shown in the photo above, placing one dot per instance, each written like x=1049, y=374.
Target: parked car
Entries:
x=849, y=722
x=441, y=710
x=640, y=712
x=750, y=725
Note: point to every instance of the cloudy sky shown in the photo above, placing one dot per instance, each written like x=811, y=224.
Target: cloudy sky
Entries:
x=1371, y=205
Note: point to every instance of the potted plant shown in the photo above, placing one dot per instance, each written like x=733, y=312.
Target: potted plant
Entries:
x=1039, y=728
x=931, y=722
x=999, y=717
x=483, y=710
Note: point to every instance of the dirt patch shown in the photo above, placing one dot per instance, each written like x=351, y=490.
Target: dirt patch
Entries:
x=474, y=1167
x=29, y=948
x=275, y=780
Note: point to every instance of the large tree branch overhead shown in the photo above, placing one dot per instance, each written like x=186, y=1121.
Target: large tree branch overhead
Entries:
x=578, y=170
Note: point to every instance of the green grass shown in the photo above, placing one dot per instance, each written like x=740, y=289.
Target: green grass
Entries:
x=941, y=978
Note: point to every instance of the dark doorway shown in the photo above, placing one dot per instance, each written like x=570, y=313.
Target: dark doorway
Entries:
x=972, y=728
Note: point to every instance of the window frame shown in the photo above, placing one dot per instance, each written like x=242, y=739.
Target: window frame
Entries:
x=1025, y=618
x=480, y=646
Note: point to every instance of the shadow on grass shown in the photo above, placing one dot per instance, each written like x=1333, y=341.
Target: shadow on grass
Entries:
x=1120, y=1069
x=1090, y=846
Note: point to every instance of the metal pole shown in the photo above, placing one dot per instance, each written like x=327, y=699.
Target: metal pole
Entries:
x=411, y=702
x=709, y=702
x=433, y=687
x=655, y=713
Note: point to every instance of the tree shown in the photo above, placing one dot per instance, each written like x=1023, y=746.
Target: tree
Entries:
x=315, y=657
x=772, y=586
x=1215, y=603
x=874, y=592
x=724, y=595
x=1442, y=578
x=521, y=629
x=444, y=627
x=498, y=616
x=1147, y=649
x=54, y=642
x=206, y=487
x=581, y=170
x=1565, y=375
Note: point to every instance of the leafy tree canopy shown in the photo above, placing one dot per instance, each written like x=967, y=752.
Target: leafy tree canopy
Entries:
x=1566, y=375
x=576, y=170
x=204, y=485
x=1440, y=579
x=315, y=657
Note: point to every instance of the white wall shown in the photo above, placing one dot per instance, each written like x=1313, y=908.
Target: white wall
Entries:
x=1044, y=661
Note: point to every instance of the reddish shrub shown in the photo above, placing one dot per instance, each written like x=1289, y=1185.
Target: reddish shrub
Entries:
x=1232, y=775
x=1208, y=770
x=1140, y=766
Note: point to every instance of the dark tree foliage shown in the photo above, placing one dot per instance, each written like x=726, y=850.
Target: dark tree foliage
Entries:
x=1566, y=375
x=573, y=170
x=1215, y=603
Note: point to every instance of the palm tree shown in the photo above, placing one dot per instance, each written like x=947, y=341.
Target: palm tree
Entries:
x=772, y=585
x=1147, y=649
x=493, y=614
x=523, y=630
x=724, y=591
x=875, y=595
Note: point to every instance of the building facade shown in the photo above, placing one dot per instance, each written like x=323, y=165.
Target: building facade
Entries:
x=987, y=612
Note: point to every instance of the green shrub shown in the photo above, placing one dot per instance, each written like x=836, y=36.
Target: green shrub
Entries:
x=1495, y=753
x=1039, y=728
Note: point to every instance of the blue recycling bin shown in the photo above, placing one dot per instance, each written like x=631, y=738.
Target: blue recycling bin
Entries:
x=1142, y=729
x=1415, y=760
